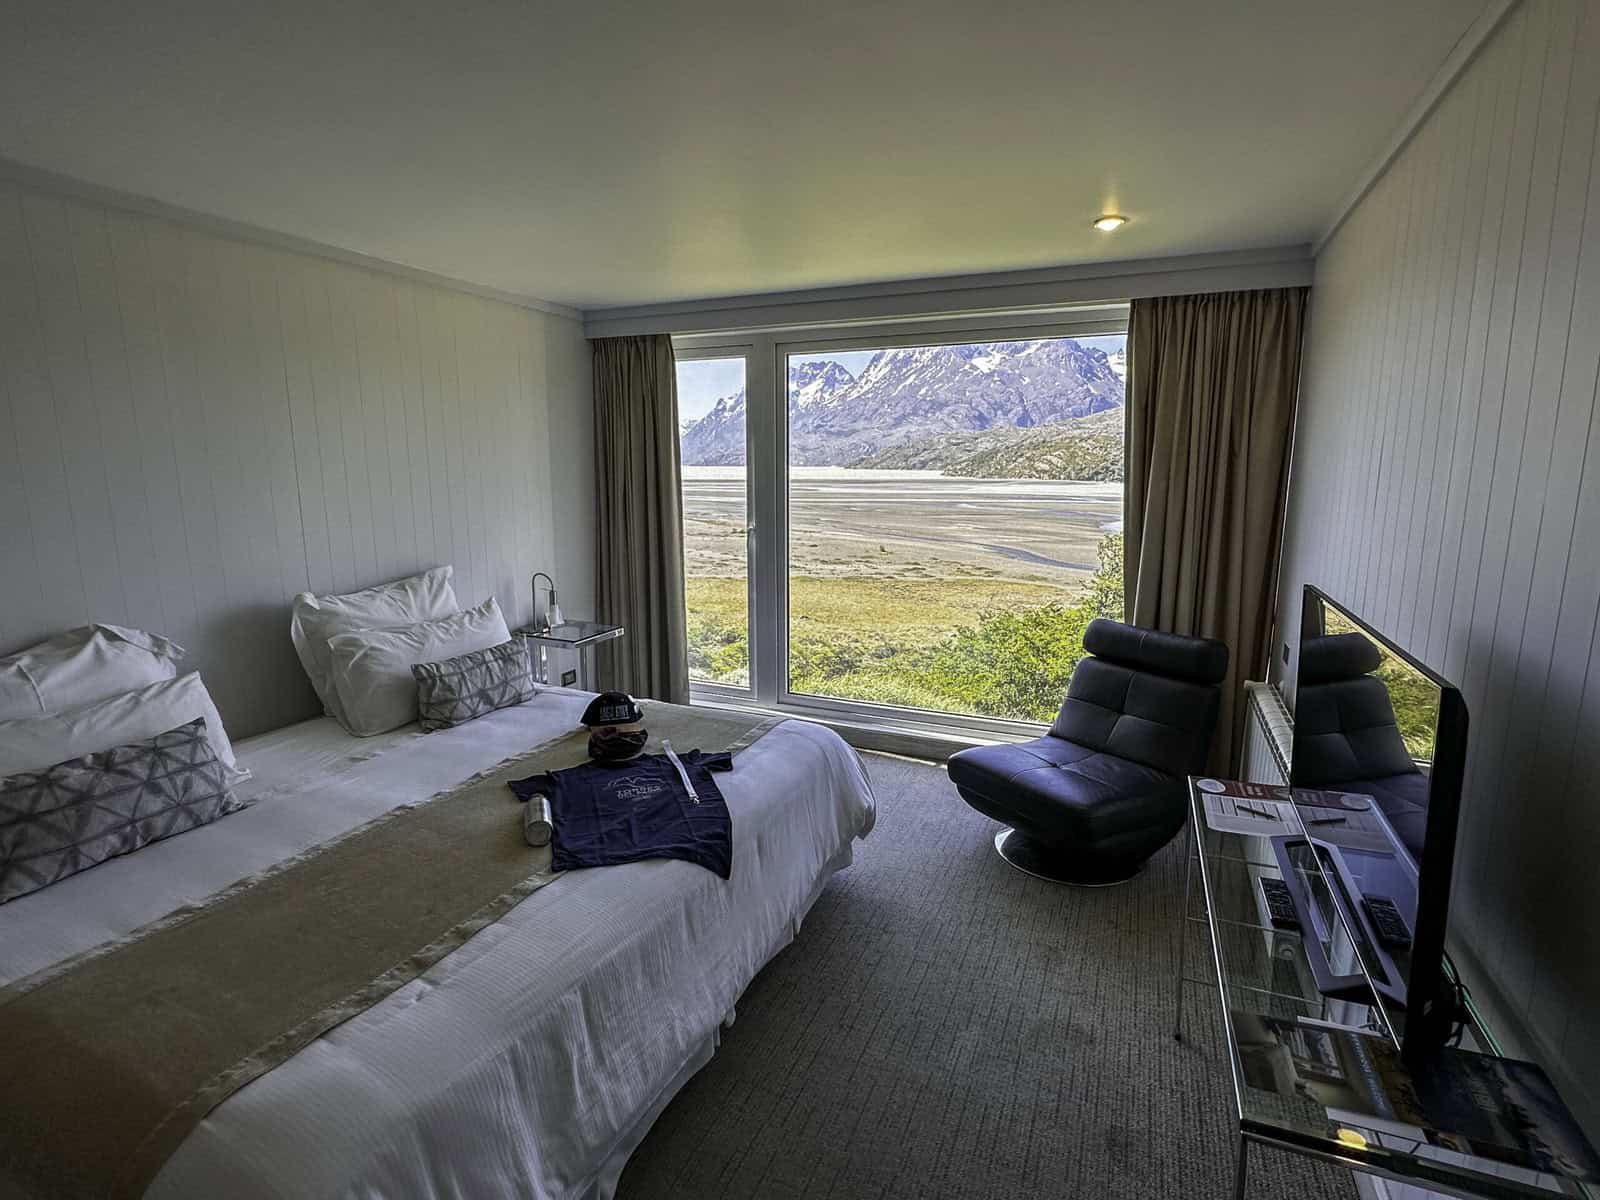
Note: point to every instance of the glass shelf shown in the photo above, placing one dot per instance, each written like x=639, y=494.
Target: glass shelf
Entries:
x=1322, y=1076
x=572, y=633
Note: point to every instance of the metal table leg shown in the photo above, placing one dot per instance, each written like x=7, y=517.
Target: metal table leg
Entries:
x=1239, y=1175
x=1183, y=930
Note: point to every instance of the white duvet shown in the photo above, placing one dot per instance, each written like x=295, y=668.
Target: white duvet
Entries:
x=531, y=1061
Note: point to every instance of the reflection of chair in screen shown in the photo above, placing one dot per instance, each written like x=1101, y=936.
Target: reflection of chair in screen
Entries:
x=1346, y=737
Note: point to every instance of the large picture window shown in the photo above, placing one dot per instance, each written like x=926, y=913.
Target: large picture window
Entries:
x=945, y=518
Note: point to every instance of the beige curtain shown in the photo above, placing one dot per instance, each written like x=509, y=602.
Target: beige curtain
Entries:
x=639, y=517
x=1212, y=383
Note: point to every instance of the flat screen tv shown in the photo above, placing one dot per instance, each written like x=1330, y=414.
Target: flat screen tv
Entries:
x=1379, y=748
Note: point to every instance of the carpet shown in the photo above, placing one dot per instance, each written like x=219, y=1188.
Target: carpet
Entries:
x=945, y=1026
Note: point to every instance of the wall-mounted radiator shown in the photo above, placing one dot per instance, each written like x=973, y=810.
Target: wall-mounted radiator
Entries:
x=1268, y=735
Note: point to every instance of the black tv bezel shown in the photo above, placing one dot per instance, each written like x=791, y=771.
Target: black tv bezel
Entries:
x=1430, y=995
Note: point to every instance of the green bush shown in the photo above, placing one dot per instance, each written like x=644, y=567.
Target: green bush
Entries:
x=1104, y=594
x=1013, y=664
x=718, y=650
x=1017, y=664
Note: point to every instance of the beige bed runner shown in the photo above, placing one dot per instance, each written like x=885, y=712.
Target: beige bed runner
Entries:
x=109, y=1061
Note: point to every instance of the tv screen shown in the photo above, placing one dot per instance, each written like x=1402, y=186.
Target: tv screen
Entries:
x=1379, y=746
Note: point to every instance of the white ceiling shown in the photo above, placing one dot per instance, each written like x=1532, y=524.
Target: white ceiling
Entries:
x=595, y=153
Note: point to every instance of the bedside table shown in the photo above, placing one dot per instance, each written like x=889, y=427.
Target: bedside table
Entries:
x=581, y=636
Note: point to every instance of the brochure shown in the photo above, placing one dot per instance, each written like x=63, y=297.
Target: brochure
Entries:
x=1236, y=806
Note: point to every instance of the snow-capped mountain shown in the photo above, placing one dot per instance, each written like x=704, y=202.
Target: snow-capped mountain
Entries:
x=717, y=439
x=813, y=383
x=913, y=393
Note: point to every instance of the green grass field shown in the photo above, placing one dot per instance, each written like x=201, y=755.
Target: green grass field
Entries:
x=1000, y=647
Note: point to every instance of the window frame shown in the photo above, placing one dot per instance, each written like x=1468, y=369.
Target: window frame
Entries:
x=767, y=501
x=727, y=693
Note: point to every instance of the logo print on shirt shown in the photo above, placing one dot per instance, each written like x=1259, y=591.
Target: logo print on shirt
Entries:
x=637, y=787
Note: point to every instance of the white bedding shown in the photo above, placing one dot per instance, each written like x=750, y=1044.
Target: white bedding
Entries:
x=527, y=1063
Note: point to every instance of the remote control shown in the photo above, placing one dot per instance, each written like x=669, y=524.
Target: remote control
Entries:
x=1387, y=922
x=1280, y=904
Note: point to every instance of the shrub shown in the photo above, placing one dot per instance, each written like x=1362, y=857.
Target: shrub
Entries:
x=1017, y=664
x=1014, y=664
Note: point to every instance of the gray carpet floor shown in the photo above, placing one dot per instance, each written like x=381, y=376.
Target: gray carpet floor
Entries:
x=945, y=1026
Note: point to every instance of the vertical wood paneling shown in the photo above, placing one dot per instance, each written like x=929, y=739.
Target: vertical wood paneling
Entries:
x=1447, y=483
x=438, y=480
x=329, y=426
x=305, y=456
x=178, y=342
x=77, y=424
x=405, y=315
x=147, y=381
x=192, y=429
x=104, y=352
x=54, y=562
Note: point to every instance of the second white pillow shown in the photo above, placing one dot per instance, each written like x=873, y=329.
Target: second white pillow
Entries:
x=371, y=668
x=34, y=743
x=315, y=619
x=82, y=665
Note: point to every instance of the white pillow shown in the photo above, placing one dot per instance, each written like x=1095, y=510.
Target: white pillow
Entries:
x=82, y=665
x=372, y=668
x=33, y=743
x=315, y=619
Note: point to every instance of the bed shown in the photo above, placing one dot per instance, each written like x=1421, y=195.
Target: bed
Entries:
x=532, y=1060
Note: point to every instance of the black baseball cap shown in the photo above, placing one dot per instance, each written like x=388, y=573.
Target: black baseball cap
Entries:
x=612, y=708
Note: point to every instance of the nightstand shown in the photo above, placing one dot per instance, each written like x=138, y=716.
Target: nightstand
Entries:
x=581, y=636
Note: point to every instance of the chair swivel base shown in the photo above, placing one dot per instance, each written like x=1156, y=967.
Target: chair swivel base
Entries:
x=1055, y=866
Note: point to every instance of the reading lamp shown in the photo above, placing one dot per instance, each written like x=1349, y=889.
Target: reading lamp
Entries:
x=552, y=612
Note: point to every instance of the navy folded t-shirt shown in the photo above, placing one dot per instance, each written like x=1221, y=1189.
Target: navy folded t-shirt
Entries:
x=607, y=813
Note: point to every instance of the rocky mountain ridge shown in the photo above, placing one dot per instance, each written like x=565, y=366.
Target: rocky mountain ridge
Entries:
x=908, y=395
x=1087, y=449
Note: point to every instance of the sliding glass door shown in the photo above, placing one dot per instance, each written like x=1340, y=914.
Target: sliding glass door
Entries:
x=936, y=518
x=713, y=445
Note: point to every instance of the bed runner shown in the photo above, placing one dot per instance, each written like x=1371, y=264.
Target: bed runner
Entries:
x=110, y=1059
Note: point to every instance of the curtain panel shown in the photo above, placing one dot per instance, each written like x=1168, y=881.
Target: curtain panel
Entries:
x=639, y=517
x=1212, y=387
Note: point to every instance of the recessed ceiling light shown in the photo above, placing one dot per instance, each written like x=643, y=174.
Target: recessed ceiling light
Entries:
x=1110, y=223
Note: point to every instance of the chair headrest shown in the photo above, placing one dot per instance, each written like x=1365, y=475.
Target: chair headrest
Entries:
x=1336, y=656
x=1198, y=660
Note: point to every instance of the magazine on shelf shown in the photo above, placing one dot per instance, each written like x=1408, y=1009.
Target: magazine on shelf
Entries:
x=1238, y=806
x=1500, y=1109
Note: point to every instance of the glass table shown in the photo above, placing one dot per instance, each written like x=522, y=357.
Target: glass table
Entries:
x=580, y=636
x=1322, y=1077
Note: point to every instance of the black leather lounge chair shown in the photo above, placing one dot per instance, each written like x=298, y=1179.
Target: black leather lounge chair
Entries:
x=1105, y=789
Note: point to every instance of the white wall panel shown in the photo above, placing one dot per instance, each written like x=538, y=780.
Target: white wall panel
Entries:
x=193, y=429
x=1447, y=485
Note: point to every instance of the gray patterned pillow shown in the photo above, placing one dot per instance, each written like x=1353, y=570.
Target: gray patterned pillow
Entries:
x=66, y=818
x=469, y=685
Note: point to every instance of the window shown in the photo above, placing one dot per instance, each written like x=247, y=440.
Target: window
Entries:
x=927, y=525
x=711, y=415
x=955, y=517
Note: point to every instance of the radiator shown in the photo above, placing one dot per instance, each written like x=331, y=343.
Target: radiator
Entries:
x=1268, y=736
